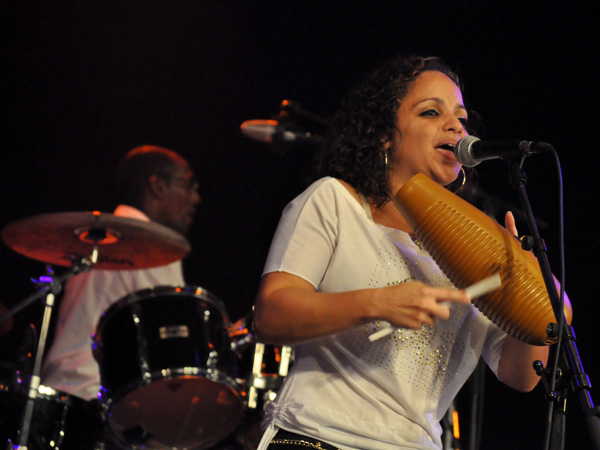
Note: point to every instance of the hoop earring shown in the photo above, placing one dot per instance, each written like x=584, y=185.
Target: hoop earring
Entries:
x=464, y=180
x=384, y=156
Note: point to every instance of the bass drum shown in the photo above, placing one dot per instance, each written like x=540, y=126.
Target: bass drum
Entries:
x=167, y=369
x=59, y=420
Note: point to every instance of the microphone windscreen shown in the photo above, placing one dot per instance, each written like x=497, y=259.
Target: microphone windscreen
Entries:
x=259, y=130
x=469, y=246
x=462, y=151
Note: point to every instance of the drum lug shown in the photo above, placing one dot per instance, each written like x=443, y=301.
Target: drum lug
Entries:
x=211, y=363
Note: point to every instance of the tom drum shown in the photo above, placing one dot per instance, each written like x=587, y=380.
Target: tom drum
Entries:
x=167, y=369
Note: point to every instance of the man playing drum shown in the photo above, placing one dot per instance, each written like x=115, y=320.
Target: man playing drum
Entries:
x=152, y=184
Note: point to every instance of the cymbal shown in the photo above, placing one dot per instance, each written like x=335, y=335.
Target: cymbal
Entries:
x=123, y=243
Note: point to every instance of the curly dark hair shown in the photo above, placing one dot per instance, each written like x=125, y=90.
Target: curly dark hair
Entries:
x=366, y=120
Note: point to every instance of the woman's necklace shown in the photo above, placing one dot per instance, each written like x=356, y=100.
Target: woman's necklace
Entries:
x=416, y=241
x=390, y=217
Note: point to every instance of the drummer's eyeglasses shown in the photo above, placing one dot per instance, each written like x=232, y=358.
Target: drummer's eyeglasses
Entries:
x=189, y=183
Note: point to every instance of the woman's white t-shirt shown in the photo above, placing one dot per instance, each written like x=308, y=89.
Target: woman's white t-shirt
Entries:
x=344, y=389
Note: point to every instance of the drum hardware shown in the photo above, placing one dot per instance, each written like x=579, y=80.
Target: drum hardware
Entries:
x=241, y=337
x=180, y=331
x=5, y=325
x=50, y=289
x=168, y=374
x=269, y=365
x=125, y=243
x=268, y=383
x=211, y=364
x=242, y=344
x=73, y=240
x=265, y=371
x=59, y=420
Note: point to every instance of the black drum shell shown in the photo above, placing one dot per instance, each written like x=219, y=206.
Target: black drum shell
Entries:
x=59, y=420
x=168, y=348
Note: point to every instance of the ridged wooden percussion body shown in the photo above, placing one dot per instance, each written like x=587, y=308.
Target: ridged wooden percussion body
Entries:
x=469, y=246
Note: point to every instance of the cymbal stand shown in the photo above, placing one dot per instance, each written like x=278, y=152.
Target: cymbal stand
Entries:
x=49, y=291
x=579, y=380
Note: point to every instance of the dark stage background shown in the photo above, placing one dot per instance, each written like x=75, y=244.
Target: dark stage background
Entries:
x=83, y=82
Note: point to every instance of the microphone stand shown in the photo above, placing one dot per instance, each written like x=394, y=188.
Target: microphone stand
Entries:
x=50, y=290
x=579, y=381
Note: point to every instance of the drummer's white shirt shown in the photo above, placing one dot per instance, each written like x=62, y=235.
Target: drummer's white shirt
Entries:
x=69, y=365
x=344, y=389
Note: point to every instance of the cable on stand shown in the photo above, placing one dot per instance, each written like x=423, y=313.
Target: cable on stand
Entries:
x=565, y=350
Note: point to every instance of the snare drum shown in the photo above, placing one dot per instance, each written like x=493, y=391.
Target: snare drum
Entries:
x=59, y=420
x=167, y=369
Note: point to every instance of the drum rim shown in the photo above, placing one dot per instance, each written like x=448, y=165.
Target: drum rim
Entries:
x=192, y=291
x=110, y=402
x=107, y=399
x=45, y=392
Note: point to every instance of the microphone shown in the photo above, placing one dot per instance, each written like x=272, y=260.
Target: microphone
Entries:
x=470, y=150
x=271, y=131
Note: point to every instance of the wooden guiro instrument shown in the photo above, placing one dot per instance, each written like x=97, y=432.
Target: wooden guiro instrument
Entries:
x=469, y=246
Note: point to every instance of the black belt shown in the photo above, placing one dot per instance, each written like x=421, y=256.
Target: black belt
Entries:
x=283, y=439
